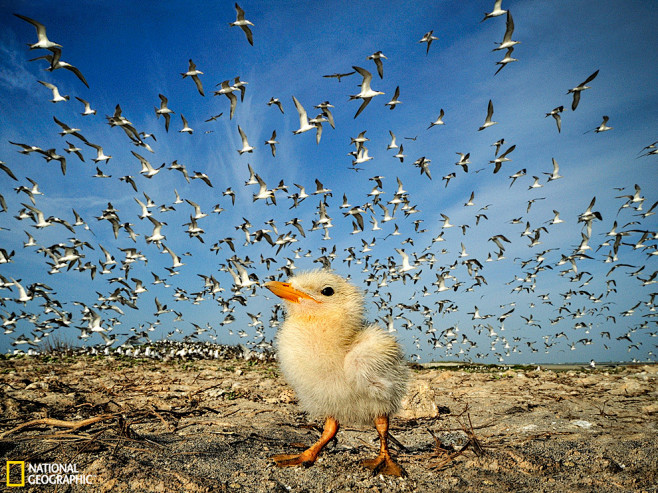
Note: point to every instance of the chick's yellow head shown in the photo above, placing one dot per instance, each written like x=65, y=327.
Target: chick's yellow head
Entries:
x=320, y=293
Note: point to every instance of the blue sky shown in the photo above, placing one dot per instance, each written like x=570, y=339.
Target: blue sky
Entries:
x=129, y=53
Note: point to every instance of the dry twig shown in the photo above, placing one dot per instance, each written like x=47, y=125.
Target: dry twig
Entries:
x=74, y=425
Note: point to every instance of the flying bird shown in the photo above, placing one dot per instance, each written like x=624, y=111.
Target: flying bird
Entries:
x=56, y=62
x=377, y=58
x=227, y=90
x=88, y=110
x=276, y=102
x=603, y=127
x=304, y=125
x=324, y=106
x=395, y=101
x=497, y=10
x=272, y=143
x=194, y=74
x=507, y=42
x=342, y=369
x=400, y=155
x=240, y=85
x=463, y=161
x=488, y=122
x=8, y=170
x=555, y=174
x=245, y=144
x=428, y=38
x=164, y=111
x=198, y=175
x=338, y=75
x=580, y=88
x=42, y=39
x=366, y=93
x=506, y=59
x=100, y=155
x=186, y=128
x=243, y=24
x=57, y=97
x=147, y=169
x=439, y=120
x=555, y=113
x=501, y=159
x=213, y=118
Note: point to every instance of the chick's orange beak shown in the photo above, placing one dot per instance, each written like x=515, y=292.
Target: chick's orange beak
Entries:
x=287, y=292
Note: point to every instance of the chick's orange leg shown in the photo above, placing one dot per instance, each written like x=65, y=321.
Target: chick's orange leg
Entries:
x=383, y=463
x=308, y=456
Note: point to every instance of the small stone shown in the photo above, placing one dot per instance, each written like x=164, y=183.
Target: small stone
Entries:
x=582, y=424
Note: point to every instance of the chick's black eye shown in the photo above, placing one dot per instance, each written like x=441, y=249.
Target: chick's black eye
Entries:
x=328, y=291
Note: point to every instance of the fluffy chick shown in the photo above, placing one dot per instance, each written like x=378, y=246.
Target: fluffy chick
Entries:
x=341, y=368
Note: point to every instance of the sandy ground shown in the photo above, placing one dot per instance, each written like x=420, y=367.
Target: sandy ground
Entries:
x=140, y=425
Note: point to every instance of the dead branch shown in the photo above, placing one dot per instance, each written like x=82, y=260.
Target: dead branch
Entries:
x=73, y=425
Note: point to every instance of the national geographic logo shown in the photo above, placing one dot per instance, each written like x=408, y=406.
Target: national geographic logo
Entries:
x=15, y=473
x=44, y=473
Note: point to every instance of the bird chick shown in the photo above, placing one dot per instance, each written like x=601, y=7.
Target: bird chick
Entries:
x=341, y=368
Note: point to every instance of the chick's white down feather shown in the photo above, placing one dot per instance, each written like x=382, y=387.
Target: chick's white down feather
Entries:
x=337, y=364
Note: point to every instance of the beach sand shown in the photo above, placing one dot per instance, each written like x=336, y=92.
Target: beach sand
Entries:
x=139, y=425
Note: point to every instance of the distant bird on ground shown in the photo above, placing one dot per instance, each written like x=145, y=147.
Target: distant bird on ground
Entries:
x=428, y=38
x=243, y=24
x=194, y=73
x=342, y=369
x=579, y=88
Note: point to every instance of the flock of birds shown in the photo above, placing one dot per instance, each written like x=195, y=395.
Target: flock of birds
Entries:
x=413, y=289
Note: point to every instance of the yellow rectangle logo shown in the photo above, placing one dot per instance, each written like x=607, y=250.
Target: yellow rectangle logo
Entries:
x=13, y=463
